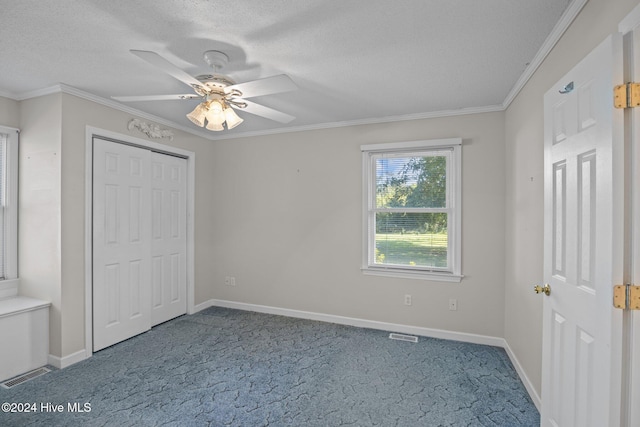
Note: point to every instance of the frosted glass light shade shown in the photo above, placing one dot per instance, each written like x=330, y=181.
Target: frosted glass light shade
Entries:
x=215, y=126
x=215, y=116
x=198, y=114
x=232, y=118
x=215, y=107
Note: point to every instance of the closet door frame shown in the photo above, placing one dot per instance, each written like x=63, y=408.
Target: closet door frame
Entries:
x=93, y=132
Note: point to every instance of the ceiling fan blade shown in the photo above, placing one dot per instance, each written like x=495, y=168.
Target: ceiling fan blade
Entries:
x=276, y=84
x=166, y=66
x=155, y=97
x=266, y=112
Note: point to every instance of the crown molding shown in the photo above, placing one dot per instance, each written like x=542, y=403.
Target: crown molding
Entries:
x=63, y=88
x=70, y=90
x=8, y=95
x=560, y=28
x=39, y=92
x=372, y=121
x=117, y=106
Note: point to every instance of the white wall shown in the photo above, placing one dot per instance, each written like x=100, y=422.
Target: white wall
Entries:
x=288, y=220
x=39, y=231
x=524, y=177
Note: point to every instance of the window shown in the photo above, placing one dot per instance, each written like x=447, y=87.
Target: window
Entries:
x=8, y=203
x=412, y=193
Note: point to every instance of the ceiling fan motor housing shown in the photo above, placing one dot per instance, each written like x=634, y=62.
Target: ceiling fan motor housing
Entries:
x=214, y=83
x=216, y=59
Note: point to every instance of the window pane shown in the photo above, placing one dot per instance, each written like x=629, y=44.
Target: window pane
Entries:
x=8, y=203
x=411, y=239
x=3, y=143
x=412, y=181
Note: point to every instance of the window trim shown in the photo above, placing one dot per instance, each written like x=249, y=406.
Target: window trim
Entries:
x=454, y=274
x=11, y=197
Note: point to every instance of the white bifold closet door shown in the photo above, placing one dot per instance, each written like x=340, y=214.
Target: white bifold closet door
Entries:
x=168, y=237
x=139, y=240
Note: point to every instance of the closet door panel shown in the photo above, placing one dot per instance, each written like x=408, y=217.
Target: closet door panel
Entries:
x=121, y=242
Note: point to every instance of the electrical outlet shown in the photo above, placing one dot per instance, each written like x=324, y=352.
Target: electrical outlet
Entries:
x=453, y=304
x=407, y=300
x=230, y=281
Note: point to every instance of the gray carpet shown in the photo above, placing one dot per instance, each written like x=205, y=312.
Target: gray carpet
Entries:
x=223, y=367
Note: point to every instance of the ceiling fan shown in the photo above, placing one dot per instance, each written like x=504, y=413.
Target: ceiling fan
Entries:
x=219, y=94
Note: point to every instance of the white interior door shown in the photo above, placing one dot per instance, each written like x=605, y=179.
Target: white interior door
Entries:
x=583, y=243
x=168, y=237
x=121, y=242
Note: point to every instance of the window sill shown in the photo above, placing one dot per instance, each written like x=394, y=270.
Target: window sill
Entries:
x=413, y=274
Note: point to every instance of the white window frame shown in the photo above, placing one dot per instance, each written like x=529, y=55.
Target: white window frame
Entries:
x=454, y=180
x=10, y=221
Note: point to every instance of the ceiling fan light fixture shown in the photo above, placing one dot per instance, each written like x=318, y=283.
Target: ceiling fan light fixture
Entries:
x=219, y=94
x=198, y=114
x=232, y=118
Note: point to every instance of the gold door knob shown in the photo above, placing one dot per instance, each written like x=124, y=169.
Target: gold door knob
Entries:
x=546, y=289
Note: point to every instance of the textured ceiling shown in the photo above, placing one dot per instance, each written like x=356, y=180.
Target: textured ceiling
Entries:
x=354, y=61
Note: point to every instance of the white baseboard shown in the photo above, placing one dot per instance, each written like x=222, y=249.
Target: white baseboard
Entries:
x=363, y=323
x=392, y=327
x=63, y=362
x=523, y=376
x=202, y=306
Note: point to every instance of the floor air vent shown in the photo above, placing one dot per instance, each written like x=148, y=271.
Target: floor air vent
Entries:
x=24, y=377
x=401, y=337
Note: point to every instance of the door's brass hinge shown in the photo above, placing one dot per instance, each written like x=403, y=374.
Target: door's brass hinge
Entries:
x=627, y=95
x=626, y=297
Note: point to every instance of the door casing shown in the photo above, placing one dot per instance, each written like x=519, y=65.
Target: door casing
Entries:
x=629, y=27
